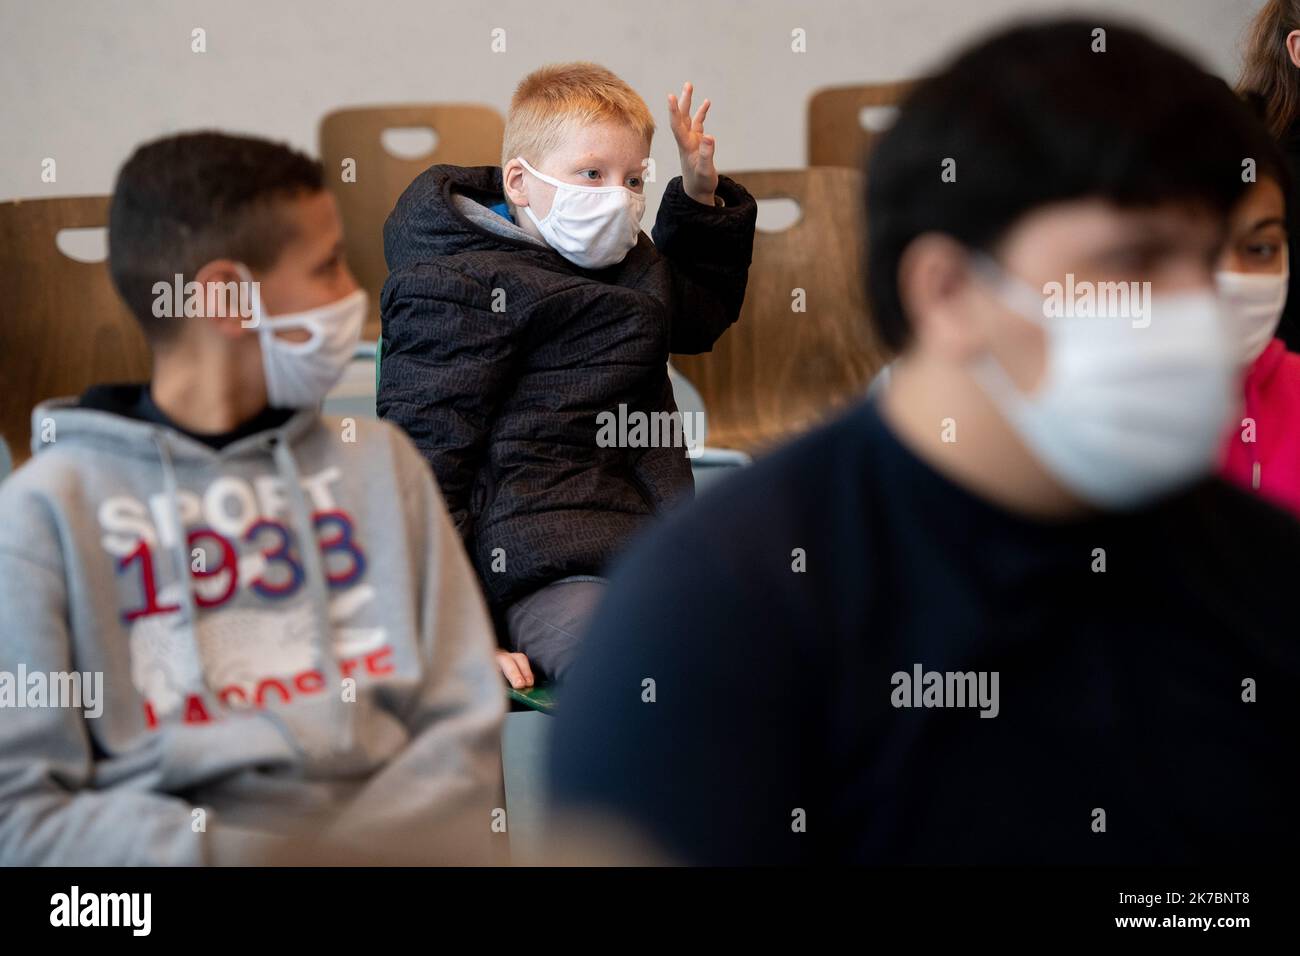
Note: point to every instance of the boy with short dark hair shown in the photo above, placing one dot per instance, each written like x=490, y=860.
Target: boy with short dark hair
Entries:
x=288, y=638
x=1002, y=614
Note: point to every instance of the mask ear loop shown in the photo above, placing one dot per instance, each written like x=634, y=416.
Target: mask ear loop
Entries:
x=316, y=335
x=549, y=180
x=266, y=326
x=560, y=184
x=528, y=210
x=1011, y=291
x=1020, y=299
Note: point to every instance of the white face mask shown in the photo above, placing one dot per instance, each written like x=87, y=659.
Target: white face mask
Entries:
x=1253, y=305
x=1124, y=414
x=591, y=226
x=301, y=374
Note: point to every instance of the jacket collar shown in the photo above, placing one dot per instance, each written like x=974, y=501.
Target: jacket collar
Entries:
x=430, y=218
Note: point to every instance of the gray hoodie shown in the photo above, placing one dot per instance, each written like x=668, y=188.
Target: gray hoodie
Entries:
x=343, y=694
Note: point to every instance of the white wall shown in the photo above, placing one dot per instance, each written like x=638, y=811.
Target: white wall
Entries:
x=85, y=80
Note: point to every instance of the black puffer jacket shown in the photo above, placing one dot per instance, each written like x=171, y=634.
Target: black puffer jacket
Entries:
x=503, y=403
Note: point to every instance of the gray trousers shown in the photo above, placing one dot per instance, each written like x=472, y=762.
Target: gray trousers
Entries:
x=547, y=626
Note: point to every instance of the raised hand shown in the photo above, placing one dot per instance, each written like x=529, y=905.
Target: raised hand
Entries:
x=699, y=176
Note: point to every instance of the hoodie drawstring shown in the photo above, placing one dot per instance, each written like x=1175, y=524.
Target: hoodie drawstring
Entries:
x=314, y=579
x=181, y=559
x=318, y=590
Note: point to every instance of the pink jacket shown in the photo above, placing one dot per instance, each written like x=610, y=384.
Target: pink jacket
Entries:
x=1271, y=463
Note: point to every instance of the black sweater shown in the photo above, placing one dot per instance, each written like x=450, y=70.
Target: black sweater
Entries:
x=499, y=354
x=1118, y=690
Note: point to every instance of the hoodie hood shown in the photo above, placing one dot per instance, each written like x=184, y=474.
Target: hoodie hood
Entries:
x=63, y=419
x=135, y=400
x=446, y=211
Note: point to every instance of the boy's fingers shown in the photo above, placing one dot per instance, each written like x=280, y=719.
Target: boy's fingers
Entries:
x=506, y=662
x=525, y=669
x=674, y=115
x=702, y=112
x=687, y=92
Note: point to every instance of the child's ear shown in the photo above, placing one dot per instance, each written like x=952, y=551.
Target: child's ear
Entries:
x=1293, y=47
x=227, y=297
x=512, y=179
x=939, y=297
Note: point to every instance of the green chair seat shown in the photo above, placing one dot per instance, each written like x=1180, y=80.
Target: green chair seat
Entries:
x=540, y=698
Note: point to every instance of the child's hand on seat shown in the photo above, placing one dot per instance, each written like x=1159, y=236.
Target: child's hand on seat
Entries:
x=515, y=666
x=699, y=177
